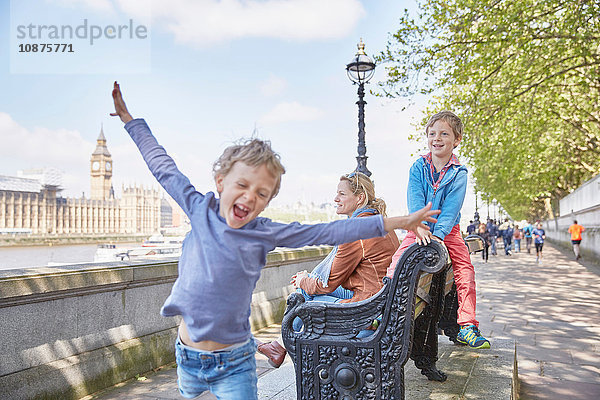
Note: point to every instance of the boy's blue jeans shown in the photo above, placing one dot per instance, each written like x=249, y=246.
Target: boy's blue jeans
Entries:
x=229, y=375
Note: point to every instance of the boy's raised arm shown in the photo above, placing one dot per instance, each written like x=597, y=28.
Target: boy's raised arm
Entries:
x=120, y=107
x=161, y=165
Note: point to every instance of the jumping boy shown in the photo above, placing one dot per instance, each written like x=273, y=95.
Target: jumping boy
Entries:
x=223, y=255
x=439, y=178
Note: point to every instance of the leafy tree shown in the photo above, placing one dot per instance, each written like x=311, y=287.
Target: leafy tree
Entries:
x=525, y=77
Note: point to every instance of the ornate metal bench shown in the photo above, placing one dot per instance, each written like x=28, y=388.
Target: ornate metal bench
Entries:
x=331, y=362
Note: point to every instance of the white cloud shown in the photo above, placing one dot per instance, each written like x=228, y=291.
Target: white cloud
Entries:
x=291, y=112
x=273, y=86
x=104, y=6
x=202, y=23
x=63, y=149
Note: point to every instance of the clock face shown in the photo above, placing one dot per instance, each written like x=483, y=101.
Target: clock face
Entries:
x=108, y=166
x=95, y=165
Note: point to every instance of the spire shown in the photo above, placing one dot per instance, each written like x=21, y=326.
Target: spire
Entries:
x=101, y=136
x=101, y=148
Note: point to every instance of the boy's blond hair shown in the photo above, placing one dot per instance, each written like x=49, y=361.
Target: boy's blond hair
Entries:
x=451, y=119
x=360, y=183
x=252, y=152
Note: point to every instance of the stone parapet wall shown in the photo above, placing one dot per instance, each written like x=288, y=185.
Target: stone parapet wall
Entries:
x=70, y=331
x=557, y=230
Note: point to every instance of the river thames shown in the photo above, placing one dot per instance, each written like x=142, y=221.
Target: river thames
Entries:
x=39, y=256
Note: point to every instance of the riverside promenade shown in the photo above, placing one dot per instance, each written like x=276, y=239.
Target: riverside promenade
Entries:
x=551, y=310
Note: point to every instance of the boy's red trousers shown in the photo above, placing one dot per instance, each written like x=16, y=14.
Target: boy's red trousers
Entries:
x=464, y=273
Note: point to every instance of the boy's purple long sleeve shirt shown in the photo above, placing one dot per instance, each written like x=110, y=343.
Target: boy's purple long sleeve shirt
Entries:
x=219, y=266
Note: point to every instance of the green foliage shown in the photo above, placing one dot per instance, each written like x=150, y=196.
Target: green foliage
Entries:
x=524, y=76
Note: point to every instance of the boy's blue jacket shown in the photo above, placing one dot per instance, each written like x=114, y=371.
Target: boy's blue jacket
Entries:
x=448, y=198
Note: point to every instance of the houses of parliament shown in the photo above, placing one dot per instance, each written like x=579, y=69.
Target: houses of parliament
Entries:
x=31, y=203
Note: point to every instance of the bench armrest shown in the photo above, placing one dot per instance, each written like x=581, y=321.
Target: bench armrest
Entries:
x=475, y=243
x=330, y=321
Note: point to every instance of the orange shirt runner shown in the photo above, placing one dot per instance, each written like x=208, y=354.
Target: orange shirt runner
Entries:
x=575, y=231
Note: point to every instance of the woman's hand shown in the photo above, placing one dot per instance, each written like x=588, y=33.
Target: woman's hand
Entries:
x=298, y=277
x=120, y=107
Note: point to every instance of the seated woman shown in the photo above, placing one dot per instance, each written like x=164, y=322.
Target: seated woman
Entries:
x=352, y=271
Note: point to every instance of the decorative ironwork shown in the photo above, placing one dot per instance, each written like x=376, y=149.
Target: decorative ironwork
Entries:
x=448, y=324
x=340, y=364
x=424, y=350
x=361, y=159
x=308, y=379
x=360, y=70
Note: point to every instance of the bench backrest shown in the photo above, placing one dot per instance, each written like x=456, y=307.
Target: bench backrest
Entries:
x=328, y=357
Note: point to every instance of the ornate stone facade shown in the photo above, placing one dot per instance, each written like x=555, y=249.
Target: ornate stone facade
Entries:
x=33, y=205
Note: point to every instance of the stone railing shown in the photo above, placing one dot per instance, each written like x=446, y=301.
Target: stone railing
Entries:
x=71, y=331
x=556, y=230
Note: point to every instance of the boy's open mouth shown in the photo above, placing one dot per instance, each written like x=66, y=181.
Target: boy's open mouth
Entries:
x=240, y=211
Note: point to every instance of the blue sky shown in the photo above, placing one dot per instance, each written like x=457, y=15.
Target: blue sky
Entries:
x=209, y=73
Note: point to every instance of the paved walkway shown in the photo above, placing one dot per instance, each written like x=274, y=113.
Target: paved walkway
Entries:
x=551, y=309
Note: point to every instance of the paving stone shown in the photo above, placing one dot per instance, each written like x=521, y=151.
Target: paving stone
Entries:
x=274, y=384
x=553, y=318
x=581, y=373
x=540, y=388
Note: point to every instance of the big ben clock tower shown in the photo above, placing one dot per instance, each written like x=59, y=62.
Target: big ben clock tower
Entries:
x=101, y=170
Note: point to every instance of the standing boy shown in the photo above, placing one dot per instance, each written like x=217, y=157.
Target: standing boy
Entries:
x=223, y=255
x=575, y=231
x=439, y=178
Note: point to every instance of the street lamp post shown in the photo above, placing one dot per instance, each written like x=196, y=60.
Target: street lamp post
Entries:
x=476, y=216
x=360, y=70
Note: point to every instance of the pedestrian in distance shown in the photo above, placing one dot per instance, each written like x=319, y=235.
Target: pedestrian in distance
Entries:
x=517, y=236
x=492, y=228
x=506, y=231
x=224, y=253
x=471, y=228
x=539, y=235
x=575, y=230
x=483, y=232
x=527, y=233
x=438, y=177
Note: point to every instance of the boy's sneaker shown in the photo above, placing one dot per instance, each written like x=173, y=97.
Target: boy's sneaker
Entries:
x=470, y=335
